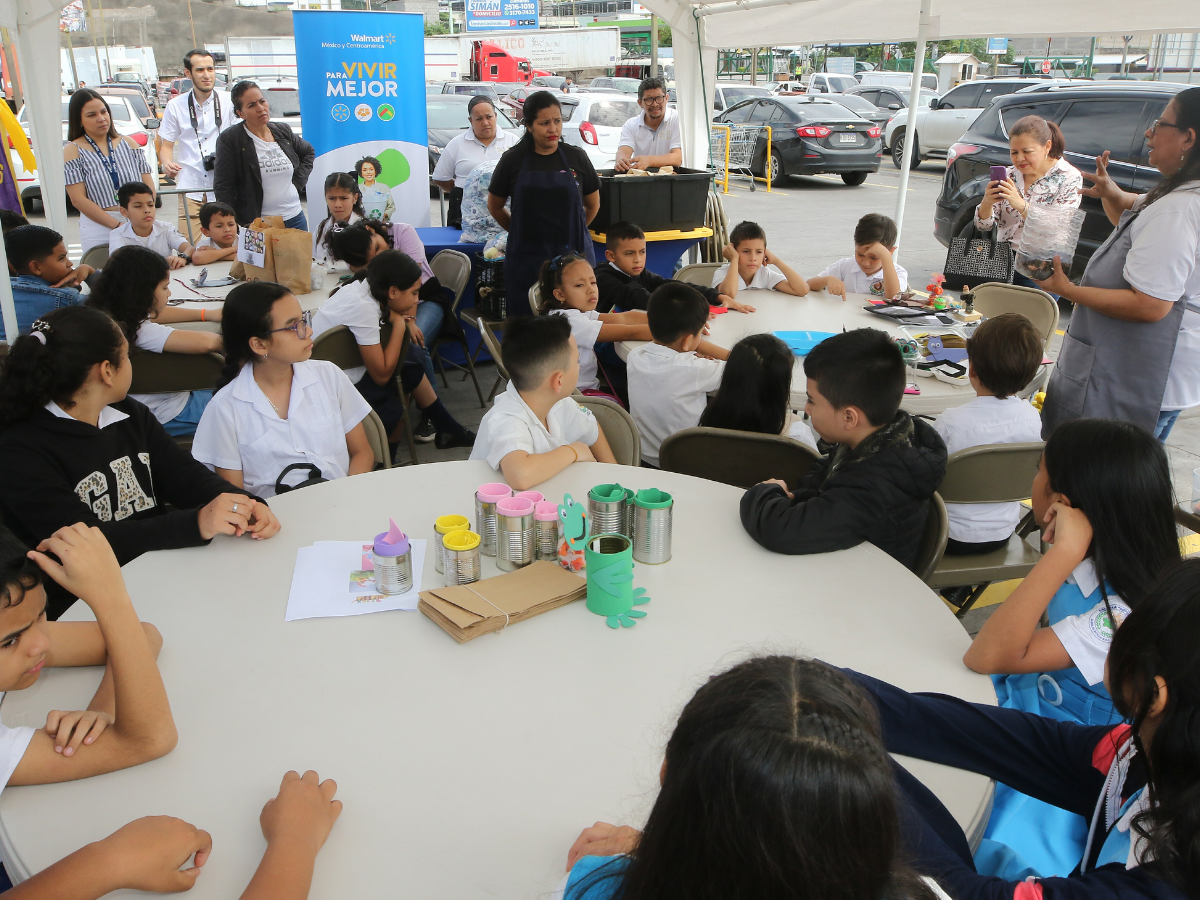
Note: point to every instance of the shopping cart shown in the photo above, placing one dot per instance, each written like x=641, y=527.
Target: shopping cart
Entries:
x=733, y=151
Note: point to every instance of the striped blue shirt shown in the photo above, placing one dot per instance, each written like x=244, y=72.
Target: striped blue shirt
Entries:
x=91, y=169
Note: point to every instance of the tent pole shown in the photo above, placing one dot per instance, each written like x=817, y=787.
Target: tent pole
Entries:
x=914, y=97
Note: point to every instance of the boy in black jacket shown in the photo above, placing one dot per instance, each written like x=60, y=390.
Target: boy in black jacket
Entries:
x=875, y=481
x=624, y=281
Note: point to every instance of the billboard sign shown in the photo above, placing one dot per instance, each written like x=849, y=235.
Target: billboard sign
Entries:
x=501, y=15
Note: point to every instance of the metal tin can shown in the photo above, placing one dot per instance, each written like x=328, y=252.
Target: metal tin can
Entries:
x=463, y=564
x=628, y=529
x=606, y=509
x=442, y=526
x=393, y=574
x=545, y=528
x=514, y=533
x=485, y=514
x=652, y=515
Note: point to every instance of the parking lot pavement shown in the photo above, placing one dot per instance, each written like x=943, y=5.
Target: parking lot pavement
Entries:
x=810, y=219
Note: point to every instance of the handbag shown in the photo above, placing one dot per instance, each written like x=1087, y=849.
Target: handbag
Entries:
x=974, y=260
x=314, y=477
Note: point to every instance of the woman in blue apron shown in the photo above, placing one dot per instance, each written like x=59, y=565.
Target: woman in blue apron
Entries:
x=1117, y=357
x=555, y=193
x=1103, y=494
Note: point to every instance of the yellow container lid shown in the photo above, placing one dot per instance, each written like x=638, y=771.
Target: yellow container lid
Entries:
x=461, y=540
x=446, y=524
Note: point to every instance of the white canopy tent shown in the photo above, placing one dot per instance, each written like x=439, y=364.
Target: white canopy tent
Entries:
x=35, y=24
x=699, y=29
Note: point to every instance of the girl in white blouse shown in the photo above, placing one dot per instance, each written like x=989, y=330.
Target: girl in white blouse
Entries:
x=276, y=406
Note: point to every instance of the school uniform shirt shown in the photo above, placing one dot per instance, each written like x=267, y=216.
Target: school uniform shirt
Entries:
x=118, y=477
x=241, y=430
x=859, y=282
x=1164, y=262
x=164, y=238
x=765, y=278
x=668, y=391
x=1088, y=636
x=280, y=197
x=511, y=425
x=647, y=141
x=152, y=337
x=320, y=249
x=353, y=306
x=464, y=153
x=986, y=420
x=585, y=327
x=13, y=744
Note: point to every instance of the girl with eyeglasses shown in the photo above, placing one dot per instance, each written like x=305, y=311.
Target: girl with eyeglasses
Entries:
x=275, y=407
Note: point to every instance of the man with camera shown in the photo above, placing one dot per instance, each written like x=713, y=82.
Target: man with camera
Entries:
x=189, y=129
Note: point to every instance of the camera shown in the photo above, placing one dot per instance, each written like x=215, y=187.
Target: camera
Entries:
x=210, y=162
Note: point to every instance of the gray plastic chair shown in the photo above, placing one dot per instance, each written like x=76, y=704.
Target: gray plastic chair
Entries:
x=168, y=373
x=535, y=299
x=493, y=347
x=95, y=257
x=1037, y=306
x=377, y=437
x=740, y=458
x=453, y=269
x=992, y=473
x=933, y=539
x=698, y=273
x=618, y=427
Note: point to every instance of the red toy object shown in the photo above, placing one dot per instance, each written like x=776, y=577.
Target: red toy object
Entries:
x=935, y=284
x=718, y=310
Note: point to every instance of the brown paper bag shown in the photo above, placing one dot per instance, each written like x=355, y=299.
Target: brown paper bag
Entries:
x=265, y=224
x=291, y=253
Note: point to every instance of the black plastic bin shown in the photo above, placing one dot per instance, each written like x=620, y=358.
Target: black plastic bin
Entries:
x=653, y=202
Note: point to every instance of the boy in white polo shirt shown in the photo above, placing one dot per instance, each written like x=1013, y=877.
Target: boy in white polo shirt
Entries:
x=536, y=429
x=668, y=382
x=752, y=266
x=871, y=269
x=141, y=228
x=1004, y=353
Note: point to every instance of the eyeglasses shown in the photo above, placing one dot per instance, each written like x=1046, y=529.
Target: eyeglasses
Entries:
x=655, y=101
x=302, y=327
x=1154, y=126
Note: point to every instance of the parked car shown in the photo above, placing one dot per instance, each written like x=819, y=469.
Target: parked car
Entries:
x=283, y=97
x=891, y=98
x=940, y=124
x=434, y=87
x=809, y=136
x=126, y=119
x=182, y=86
x=787, y=87
x=132, y=79
x=725, y=95
x=471, y=88
x=593, y=122
x=148, y=117
x=447, y=118
x=827, y=83
x=900, y=80
x=860, y=106
x=515, y=100
x=624, y=85
x=1094, y=116
x=553, y=82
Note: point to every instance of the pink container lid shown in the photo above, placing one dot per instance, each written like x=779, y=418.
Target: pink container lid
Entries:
x=535, y=496
x=493, y=491
x=514, y=506
x=546, y=511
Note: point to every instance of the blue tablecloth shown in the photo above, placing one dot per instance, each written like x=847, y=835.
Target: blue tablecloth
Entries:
x=435, y=240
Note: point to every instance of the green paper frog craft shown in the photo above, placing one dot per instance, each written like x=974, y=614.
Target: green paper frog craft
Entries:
x=617, y=601
x=574, y=522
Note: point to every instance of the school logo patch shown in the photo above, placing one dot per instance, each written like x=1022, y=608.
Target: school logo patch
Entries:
x=1101, y=625
x=877, y=288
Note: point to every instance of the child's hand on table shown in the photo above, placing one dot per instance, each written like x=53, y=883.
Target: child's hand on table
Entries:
x=176, y=262
x=146, y=854
x=70, y=729
x=303, y=813
x=836, y=286
x=584, y=451
x=263, y=524
x=739, y=307
x=782, y=484
x=226, y=514
x=603, y=839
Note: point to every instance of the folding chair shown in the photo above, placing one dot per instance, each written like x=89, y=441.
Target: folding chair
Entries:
x=698, y=273
x=993, y=473
x=740, y=458
x=618, y=427
x=535, y=299
x=95, y=257
x=453, y=269
x=338, y=346
x=169, y=373
x=1037, y=306
x=933, y=538
x=493, y=347
x=377, y=437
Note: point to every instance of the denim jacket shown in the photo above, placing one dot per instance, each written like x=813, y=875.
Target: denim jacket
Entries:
x=34, y=297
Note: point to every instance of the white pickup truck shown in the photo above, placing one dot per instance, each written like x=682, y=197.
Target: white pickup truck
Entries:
x=945, y=120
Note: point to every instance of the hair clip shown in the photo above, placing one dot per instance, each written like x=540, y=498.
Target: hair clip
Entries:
x=41, y=337
x=41, y=325
x=337, y=228
x=556, y=262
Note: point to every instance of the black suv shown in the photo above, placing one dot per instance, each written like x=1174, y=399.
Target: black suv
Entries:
x=1094, y=116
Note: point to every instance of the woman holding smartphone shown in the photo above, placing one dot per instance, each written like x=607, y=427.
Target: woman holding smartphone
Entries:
x=1038, y=174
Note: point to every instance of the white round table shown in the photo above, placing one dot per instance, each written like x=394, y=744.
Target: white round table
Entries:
x=203, y=297
x=466, y=770
x=819, y=311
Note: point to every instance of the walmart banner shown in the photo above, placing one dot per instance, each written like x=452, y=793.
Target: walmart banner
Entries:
x=362, y=94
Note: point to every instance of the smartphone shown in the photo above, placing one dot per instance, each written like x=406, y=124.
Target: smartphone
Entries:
x=999, y=173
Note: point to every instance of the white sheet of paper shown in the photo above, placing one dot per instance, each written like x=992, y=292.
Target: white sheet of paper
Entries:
x=321, y=582
x=252, y=247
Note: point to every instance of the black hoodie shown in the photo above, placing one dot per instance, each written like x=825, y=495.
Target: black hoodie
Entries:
x=56, y=472
x=878, y=492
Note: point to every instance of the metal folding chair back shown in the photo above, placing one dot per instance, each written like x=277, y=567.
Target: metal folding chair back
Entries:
x=493, y=348
x=168, y=373
x=535, y=299
x=95, y=257
x=698, y=273
x=453, y=270
x=618, y=427
x=1037, y=306
x=378, y=439
x=933, y=538
x=740, y=458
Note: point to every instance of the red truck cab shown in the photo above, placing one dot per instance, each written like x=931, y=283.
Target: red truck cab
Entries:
x=491, y=63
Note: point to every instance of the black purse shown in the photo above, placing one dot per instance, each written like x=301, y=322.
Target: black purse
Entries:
x=974, y=260
x=314, y=477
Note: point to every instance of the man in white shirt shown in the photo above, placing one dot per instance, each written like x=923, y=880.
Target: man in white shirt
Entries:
x=483, y=141
x=189, y=129
x=651, y=139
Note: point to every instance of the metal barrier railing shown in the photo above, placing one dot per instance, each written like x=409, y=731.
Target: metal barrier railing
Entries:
x=733, y=150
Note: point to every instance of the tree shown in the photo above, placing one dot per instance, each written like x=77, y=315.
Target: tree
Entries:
x=442, y=26
x=664, y=34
